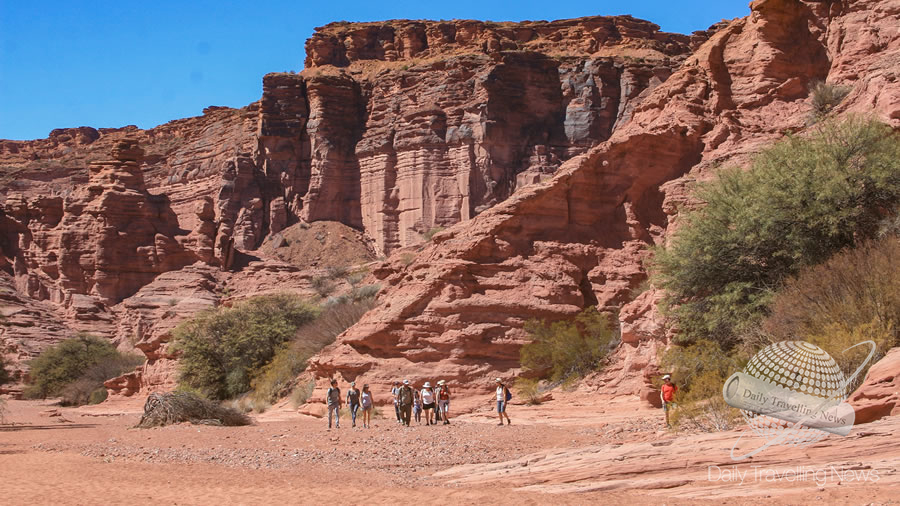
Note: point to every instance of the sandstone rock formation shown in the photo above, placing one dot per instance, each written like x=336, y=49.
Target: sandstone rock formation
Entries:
x=556, y=153
x=393, y=144
x=554, y=247
x=879, y=395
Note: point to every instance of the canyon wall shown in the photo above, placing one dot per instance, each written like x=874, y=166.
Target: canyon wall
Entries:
x=555, y=154
x=456, y=309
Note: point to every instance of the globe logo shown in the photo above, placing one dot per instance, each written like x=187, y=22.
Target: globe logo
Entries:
x=791, y=393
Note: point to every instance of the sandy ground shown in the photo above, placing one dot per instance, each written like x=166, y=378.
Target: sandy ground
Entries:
x=572, y=450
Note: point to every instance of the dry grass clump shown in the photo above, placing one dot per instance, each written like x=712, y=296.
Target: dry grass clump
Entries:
x=175, y=407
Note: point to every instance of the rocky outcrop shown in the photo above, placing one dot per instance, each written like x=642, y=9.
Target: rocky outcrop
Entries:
x=341, y=44
x=576, y=240
x=879, y=395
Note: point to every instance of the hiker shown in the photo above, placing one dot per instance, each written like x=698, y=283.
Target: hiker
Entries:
x=437, y=412
x=334, y=404
x=503, y=396
x=428, y=402
x=667, y=396
x=395, y=391
x=405, y=401
x=417, y=407
x=353, y=402
x=443, y=397
x=367, y=405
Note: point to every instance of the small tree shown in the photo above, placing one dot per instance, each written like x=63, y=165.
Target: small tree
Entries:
x=222, y=348
x=64, y=363
x=803, y=200
x=567, y=349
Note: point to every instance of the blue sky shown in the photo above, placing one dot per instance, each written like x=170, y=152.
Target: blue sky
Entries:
x=111, y=64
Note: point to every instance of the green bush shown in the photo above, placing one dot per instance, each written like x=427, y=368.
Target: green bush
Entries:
x=567, y=349
x=222, y=348
x=803, y=200
x=277, y=378
x=85, y=389
x=66, y=362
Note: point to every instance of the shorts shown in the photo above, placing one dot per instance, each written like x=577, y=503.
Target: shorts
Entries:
x=444, y=405
x=429, y=406
x=367, y=408
x=667, y=405
x=501, y=406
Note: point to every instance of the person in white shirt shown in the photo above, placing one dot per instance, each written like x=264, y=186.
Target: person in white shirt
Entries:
x=503, y=396
x=428, y=402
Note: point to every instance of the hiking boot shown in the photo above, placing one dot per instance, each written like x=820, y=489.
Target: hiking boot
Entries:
x=508, y=421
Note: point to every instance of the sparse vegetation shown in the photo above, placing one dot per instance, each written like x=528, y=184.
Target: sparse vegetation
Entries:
x=75, y=368
x=802, y=200
x=431, y=233
x=323, y=285
x=407, y=258
x=700, y=370
x=853, y=297
x=178, y=407
x=222, y=348
x=825, y=97
x=530, y=390
x=5, y=377
x=568, y=349
x=278, y=378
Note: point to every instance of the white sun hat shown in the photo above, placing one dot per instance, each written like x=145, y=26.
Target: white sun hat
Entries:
x=427, y=384
x=667, y=376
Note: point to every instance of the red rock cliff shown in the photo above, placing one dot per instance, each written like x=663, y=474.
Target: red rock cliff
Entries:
x=457, y=309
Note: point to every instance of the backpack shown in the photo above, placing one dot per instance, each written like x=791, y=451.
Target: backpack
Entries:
x=508, y=394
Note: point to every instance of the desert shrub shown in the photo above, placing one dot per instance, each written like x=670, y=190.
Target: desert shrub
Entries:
x=177, y=407
x=852, y=297
x=277, y=378
x=66, y=362
x=302, y=392
x=803, y=200
x=323, y=285
x=88, y=387
x=222, y=348
x=97, y=396
x=355, y=278
x=825, y=97
x=5, y=376
x=407, y=258
x=564, y=350
x=365, y=292
x=530, y=390
x=338, y=271
x=432, y=232
x=700, y=369
x=703, y=407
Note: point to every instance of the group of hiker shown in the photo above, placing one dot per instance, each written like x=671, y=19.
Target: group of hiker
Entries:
x=409, y=403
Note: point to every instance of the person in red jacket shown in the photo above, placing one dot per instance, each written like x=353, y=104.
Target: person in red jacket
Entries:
x=667, y=396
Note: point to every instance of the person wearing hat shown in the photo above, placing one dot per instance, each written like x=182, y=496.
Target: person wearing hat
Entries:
x=503, y=397
x=333, y=398
x=443, y=397
x=367, y=405
x=405, y=400
x=428, y=403
x=667, y=396
x=353, y=401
